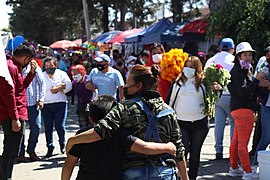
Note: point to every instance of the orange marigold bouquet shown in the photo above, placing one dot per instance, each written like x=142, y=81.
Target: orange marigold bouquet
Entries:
x=172, y=64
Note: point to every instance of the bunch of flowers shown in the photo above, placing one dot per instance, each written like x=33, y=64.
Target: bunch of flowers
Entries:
x=172, y=64
x=214, y=73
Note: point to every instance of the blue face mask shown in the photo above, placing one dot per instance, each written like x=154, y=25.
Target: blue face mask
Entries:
x=244, y=64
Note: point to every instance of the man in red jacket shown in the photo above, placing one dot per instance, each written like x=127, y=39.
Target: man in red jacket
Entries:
x=13, y=106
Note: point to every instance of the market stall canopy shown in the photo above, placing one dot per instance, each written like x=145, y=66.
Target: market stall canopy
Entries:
x=197, y=26
x=169, y=33
x=156, y=27
x=78, y=41
x=121, y=36
x=105, y=37
x=62, y=44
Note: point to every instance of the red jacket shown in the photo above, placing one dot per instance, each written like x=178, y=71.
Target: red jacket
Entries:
x=13, y=100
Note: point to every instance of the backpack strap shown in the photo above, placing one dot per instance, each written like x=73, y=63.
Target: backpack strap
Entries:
x=152, y=130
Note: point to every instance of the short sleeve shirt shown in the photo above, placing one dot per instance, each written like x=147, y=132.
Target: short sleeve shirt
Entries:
x=106, y=83
x=103, y=159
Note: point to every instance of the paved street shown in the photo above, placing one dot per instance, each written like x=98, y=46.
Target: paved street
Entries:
x=51, y=169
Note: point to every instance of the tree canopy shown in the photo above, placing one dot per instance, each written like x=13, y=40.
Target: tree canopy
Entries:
x=243, y=20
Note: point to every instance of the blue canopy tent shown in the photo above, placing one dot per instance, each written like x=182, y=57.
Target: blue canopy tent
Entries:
x=154, y=28
x=106, y=37
x=167, y=34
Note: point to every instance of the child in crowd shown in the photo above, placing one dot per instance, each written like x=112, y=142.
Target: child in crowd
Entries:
x=104, y=159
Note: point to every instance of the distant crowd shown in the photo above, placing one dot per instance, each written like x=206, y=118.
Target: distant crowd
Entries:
x=132, y=123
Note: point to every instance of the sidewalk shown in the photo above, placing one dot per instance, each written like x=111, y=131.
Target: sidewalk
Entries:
x=51, y=169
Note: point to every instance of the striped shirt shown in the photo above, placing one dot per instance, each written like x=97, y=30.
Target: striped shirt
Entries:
x=36, y=90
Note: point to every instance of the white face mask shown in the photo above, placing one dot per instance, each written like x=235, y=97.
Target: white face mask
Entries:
x=189, y=72
x=157, y=58
x=77, y=77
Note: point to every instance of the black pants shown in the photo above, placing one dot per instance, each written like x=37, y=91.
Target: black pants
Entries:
x=12, y=142
x=193, y=136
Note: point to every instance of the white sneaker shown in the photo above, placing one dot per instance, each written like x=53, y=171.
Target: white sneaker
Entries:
x=250, y=176
x=255, y=168
x=235, y=172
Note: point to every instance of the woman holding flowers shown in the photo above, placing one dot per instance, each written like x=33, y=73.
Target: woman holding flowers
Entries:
x=243, y=90
x=187, y=98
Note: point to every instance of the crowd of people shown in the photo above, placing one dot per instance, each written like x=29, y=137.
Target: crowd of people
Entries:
x=134, y=124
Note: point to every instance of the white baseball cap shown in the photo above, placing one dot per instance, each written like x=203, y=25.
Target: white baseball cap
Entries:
x=131, y=58
x=244, y=47
x=103, y=57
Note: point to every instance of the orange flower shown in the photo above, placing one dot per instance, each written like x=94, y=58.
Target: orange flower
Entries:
x=172, y=63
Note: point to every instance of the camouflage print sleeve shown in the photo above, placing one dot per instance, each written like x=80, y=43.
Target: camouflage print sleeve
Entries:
x=176, y=138
x=110, y=124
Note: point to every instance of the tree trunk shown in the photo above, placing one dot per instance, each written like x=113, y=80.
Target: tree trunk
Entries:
x=105, y=16
x=123, y=11
x=177, y=10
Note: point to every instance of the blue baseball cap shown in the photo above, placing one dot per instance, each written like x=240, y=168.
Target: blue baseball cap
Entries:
x=15, y=42
x=226, y=44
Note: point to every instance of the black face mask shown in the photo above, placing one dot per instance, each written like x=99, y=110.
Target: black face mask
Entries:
x=120, y=63
x=126, y=95
x=50, y=70
x=101, y=67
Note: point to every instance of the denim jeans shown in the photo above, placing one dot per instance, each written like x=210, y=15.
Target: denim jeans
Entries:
x=222, y=112
x=54, y=114
x=34, y=120
x=193, y=136
x=149, y=173
x=265, y=137
x=12, y=142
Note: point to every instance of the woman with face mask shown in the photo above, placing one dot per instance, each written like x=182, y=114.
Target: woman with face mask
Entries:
x=141, y=86
x=187, y=98
x=54, y=111
x=83, y=95
x=157, y=52
x=243, y=88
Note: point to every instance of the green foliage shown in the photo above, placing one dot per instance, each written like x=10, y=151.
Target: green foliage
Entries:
x=243, y=20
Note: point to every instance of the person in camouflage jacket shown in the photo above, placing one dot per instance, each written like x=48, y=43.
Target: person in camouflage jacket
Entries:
x=141, y=83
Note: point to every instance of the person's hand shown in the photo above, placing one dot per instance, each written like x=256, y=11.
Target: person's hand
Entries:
x=16, y=125
x=264, y=83
x=34, y=66
x=54, y=89
x=40, y=105
x=260, y=75
x=215, y=86
x=171, y=148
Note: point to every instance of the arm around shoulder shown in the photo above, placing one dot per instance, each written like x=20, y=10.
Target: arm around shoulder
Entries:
x=68, y=167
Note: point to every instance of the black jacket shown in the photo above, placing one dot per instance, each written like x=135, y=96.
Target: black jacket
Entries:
x=243, y=89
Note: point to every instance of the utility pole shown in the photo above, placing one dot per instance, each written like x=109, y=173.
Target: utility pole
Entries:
x=86, y=20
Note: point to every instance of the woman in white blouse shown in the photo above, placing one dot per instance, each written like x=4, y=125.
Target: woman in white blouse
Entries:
x=187, y=98
x=55, y=103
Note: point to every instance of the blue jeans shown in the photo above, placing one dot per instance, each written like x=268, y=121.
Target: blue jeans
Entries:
x=55, y=114
x=221, y=113
x=34, y=120
x=150, y=173
x=12, y=141
x=265, y=137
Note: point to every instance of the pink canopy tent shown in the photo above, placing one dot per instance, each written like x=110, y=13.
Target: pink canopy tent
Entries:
x=121, y=36
x=63, y=44
x=78, y=41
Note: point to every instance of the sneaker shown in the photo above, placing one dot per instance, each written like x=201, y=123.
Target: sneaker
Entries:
x=219, y=156
x=33, y=156
x=250, y=176
x=235, y=172
x=21, y=159
x=255, y=168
